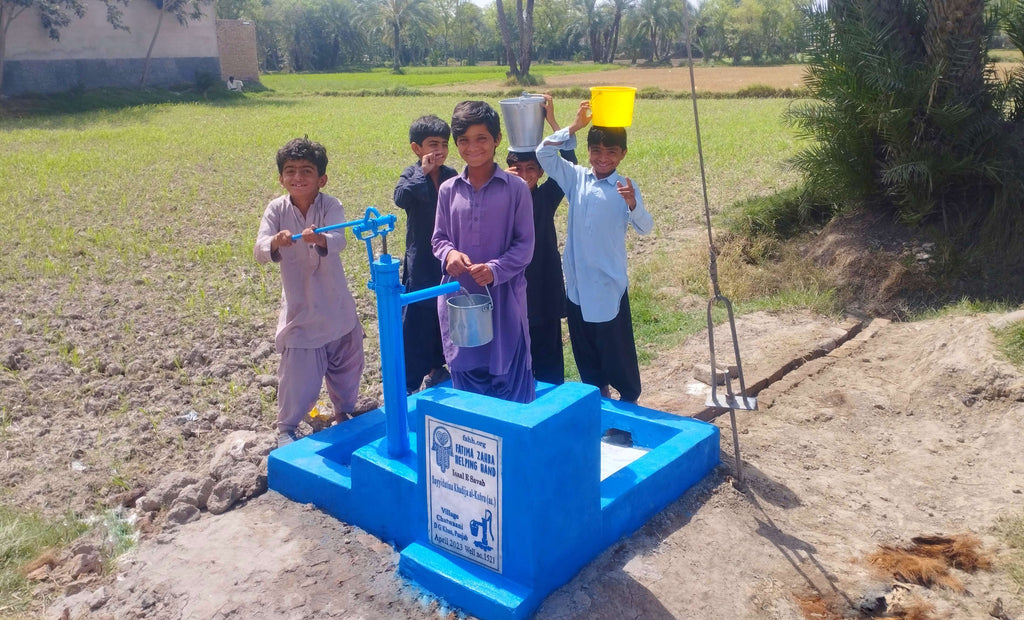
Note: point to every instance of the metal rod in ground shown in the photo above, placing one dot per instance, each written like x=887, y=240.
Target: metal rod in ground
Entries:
x=736, y=445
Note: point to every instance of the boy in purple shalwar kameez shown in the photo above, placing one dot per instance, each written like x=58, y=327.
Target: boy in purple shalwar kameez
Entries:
x=484, y=236
x=318, y=332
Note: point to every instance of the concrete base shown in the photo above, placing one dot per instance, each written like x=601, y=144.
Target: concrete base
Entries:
x=552, y=513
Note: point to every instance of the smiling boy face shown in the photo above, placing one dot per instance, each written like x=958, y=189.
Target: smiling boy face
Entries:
x=435, y=146
x=302, y=180
x=528, y=171
x=477, y=146
x=605, y=159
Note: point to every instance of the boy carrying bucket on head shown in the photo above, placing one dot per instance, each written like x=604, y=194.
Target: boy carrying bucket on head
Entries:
x=483, y=236
x=545, y=289
x=602, y=206
x=416, y=194
x=318, y=332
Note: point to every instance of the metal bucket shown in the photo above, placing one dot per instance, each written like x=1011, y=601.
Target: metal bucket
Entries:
x=524, y=121
x=469, y=318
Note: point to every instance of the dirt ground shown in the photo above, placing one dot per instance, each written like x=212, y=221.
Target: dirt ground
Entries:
x=708, y=79
x=677, y=79
x=891, y=431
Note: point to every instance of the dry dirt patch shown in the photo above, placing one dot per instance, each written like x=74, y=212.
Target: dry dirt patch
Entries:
x=708, y=79
x=717, y=79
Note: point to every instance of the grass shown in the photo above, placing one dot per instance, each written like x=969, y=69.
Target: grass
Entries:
x=414, y=78
x=964, y=307
x=23, y=538
x=1010, y=341
x=130, y=195
x=1011, y=530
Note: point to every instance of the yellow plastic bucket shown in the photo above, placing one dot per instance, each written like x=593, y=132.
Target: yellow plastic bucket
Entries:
x=612, y=106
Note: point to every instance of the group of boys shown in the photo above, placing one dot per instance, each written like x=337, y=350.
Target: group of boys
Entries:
x=484, y=227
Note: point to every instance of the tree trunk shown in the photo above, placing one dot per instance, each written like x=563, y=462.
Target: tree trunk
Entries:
x=654, y=42
x=7, y=15
x=396, y=61
x=953, y=39
x=152, y=44
x=614, y=43
x=506, y=38
x=525, y=36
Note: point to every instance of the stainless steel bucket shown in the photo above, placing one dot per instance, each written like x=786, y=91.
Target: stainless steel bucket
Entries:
x=470, y=323
x=524, y=121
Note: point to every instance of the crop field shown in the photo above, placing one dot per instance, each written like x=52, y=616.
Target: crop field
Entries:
x=178, y=189
x=129, y=294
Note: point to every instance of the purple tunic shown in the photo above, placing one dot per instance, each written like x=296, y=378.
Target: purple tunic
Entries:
x=492, y=225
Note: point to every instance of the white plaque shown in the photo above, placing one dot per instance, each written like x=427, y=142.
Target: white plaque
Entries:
x=464, y=492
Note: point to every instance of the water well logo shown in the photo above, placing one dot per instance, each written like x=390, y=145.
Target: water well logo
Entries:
x=442, y=448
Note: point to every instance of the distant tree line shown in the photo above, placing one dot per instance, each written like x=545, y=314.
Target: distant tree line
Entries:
x=328, y=35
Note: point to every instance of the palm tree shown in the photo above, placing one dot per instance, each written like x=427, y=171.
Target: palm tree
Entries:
x=613, y=33
x=395, y=16
x=593, y=16
x=905, y=122
x=659, y=21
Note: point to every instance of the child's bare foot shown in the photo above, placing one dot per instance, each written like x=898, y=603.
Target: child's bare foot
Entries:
x=437, y=376
x=364, y=404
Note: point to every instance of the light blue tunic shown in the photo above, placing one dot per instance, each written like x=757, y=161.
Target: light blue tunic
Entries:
x=594, y=259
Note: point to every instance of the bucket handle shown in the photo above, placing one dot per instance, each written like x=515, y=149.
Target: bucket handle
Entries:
x=487, y=289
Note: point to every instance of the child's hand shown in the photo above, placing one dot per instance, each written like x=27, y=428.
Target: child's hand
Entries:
x=549, y=111
x=282, y=239
x=582, y=117
x=309, y=236
x=627, y=192
x=456, y=263
x=481, y=274
x=431, y=162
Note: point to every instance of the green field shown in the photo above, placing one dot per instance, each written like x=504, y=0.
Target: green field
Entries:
x=412, y=78
x=178, y=190
x=175, y=183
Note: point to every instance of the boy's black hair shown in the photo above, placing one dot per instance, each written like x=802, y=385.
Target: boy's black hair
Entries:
x=515, y=157
x=607, y=136
x=305, y=149
x=428, y=126
x=469, y=113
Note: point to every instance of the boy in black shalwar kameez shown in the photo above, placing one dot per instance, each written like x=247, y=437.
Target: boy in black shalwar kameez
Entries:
x=545, y=288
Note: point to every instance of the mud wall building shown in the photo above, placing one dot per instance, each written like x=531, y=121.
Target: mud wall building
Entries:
x=91, y=54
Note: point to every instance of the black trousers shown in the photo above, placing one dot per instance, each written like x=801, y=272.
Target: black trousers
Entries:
x=421, y=334
x=606, y=352
x=546, y=351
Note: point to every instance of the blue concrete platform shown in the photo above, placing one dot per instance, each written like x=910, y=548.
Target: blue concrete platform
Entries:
x=497, y=504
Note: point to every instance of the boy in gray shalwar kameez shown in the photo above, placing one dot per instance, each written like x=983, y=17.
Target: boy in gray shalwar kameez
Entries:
x=318, y=332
